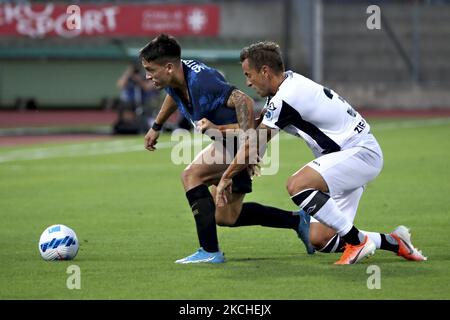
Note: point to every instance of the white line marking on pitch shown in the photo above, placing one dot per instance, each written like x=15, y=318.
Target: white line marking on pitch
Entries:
x=121, y=146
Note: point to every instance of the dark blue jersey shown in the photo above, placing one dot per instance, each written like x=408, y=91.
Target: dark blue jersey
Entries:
x=208, y=94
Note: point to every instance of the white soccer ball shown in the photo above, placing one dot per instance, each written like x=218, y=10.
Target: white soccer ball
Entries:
x=58, y=242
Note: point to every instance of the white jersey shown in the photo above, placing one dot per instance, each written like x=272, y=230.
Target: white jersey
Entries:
x=317, y=114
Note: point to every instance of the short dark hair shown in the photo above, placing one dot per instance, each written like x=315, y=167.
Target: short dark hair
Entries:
x=164, y=48
x=263, y=53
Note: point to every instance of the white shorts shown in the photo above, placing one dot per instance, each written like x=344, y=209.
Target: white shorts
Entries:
x=347, y=172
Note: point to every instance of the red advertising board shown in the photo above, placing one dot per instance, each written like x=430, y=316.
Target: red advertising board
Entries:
x=41, y=20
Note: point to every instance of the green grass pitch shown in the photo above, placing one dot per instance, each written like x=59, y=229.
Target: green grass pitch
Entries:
x=129, y=211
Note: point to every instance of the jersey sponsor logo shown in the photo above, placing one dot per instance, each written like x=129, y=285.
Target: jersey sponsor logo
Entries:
x=269, y=114
x=271, y=107
x=316, y=163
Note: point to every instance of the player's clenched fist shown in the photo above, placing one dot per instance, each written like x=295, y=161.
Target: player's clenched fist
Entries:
x=204, y=124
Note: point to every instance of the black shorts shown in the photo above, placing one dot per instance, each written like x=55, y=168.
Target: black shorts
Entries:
x=242, y=182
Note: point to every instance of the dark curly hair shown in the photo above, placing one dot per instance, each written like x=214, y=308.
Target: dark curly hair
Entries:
x=162, y=49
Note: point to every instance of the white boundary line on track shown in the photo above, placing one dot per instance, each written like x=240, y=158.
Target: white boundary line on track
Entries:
x=122, y=146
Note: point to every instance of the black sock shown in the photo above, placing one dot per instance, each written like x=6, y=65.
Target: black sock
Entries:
x=354, y=236
x=257, y=214
x=388, y=243
x=336, y=244
x=203, y=208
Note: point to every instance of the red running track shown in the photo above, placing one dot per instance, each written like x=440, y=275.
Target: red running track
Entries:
x=14, y=119
x=24, y=140
x=53, y=118
x=39, y=118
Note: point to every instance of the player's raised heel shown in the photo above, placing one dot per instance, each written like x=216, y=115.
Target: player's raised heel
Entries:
x=303, y=231
x=202, y=256
x=355, y=253
x=405, y=246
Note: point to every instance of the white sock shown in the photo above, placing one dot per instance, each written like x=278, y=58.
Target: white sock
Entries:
x=322, y=207
x=332, y=216
x=375, y=236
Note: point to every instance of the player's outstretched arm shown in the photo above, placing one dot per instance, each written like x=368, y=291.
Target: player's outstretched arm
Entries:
x=260, y=117
x=246, y=155
x=151, y=138
x=205, y=124
x=243, y=105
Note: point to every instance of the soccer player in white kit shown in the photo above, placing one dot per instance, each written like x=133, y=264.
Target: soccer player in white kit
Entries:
x=347, y=155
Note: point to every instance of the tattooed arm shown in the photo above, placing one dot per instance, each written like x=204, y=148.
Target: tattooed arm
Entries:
x=243, y=105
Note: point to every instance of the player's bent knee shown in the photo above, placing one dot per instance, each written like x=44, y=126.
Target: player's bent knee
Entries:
x=190, y=177
x=184, y=176
x=295, y=185
x=306, y=178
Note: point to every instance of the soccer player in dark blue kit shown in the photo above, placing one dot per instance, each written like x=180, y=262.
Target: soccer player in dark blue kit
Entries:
x=207, y=100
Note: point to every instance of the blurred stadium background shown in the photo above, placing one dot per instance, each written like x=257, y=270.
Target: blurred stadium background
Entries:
x=58, y=87
x=55, y=81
